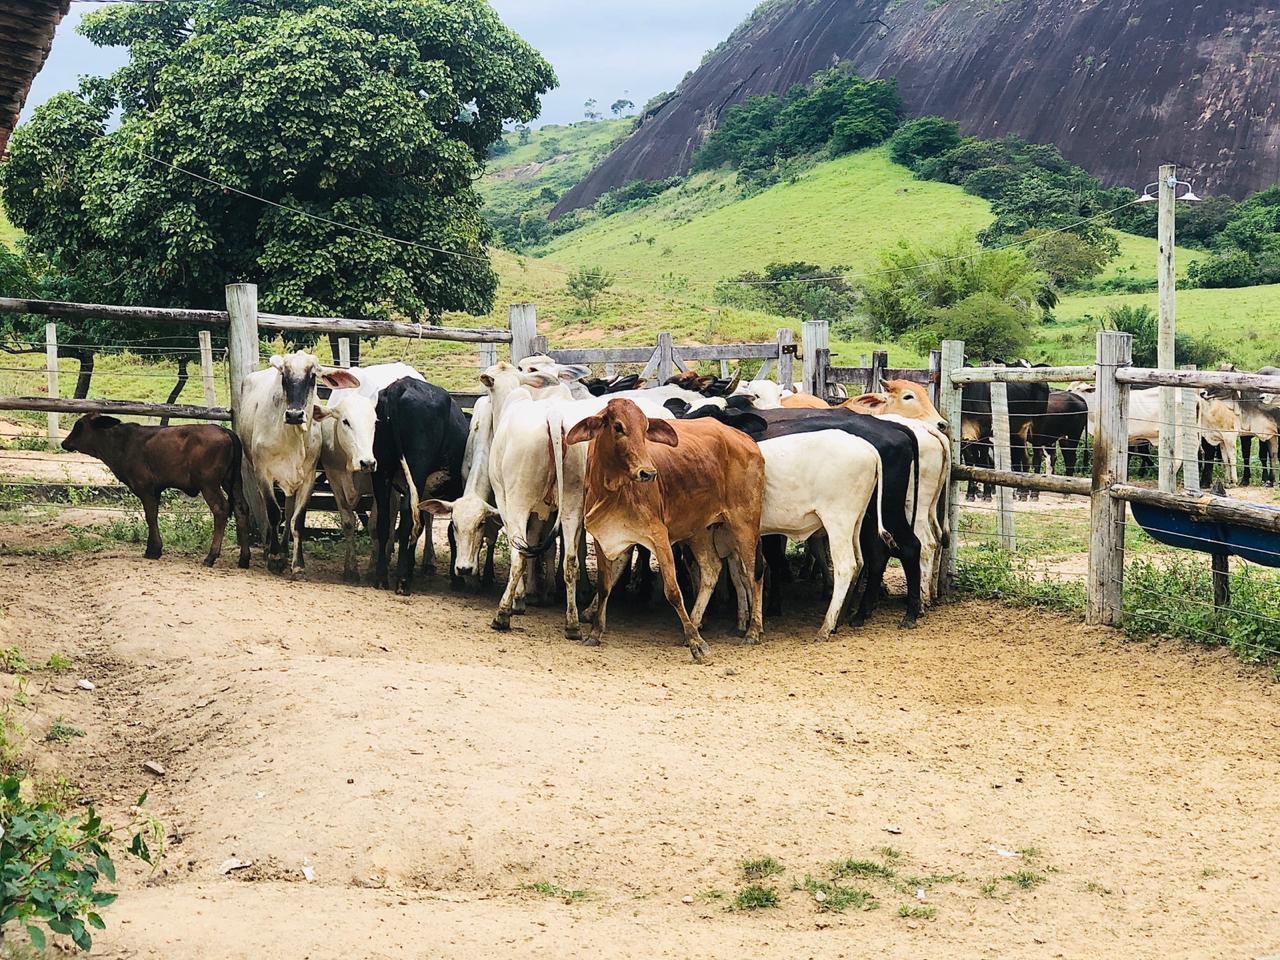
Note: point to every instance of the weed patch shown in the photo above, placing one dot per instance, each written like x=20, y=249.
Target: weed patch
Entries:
x=755, y=897
x=558, y=892
x=833, y=898
x=760, y=868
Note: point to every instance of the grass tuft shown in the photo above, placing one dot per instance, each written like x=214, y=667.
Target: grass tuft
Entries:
x=915, y=911
x=558, y=892
x=1024, y=879
x=833, y=898
x=62, y=732
x=862, y=868
x=755, y=897
x=761, y=867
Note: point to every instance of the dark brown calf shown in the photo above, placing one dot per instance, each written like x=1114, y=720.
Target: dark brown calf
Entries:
x=657, y=483
x=195, y=458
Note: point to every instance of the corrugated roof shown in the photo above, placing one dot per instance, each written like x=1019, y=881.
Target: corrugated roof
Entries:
x=26, y=34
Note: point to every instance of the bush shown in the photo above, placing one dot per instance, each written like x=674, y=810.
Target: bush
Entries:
x=50, y=867
x=801, y=290
x=989, y=327
x=1144, y=326
x=634, y=194
x=586, y=285
x=923, y=139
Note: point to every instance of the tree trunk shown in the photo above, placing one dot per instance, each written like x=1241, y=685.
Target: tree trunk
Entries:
x=177, y=387
x=85, y=376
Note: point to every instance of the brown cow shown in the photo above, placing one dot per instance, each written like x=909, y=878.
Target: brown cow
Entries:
x=657, y=483
x=903, y=398
x=194, y=458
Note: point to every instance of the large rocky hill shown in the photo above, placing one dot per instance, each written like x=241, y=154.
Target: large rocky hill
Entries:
x=1119, y=85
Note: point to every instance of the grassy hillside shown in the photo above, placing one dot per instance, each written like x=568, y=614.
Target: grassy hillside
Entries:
x=9, y=234
x=555, y=158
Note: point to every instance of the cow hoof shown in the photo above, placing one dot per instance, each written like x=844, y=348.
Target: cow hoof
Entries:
x=858, y=620
x=700, y=651
x=501, y=622
x=243, y=563
x=822, y=637
x=298, y=575
x=402, y=589
x=275, y=565
x=519, y=606
x=350, y=576
x=210, y=560
x=573, y=632
x=751, y=639
x=152, y=554
x=908, y=622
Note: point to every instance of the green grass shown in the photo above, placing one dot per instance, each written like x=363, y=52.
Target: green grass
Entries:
x=555, y=156
x=62, y=732
x=833, y=898
x=841, y=211
x=761, y=867
x=755, y=897
x=9, y=234
x=916, y=912
x=558, y=892
x=862, y=868
x=1024, y=879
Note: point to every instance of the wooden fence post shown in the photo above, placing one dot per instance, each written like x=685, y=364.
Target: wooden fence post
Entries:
x=815, y=337
x=1167, y=282
x=344, y=351
x=522, y=318
x=242, y=337
x=879, y=362
x=51, y=372
x=935, y=379
x=488, y=356
x=951, y=359
x=1189, y=435
x=666, y=358
x=1001, y=443
x=786, y=358
x=206, y=369
x=1110, y=465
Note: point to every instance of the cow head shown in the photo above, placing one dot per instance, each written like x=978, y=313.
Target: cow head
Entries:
x=620, y=433
x=903, y=398
x=299, y=373
x=89, y=434
x=474, y=524
x=549, y=373
x=763, y=394
x=353, y=421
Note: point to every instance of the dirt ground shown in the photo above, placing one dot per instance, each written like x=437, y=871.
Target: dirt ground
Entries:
x=430, y=772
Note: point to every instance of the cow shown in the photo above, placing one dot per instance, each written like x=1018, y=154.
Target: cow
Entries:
x=898, y=448
x=346, y=455
x=1064, y=424
x=1027, y=403
x=474, y=523
x=278, y=424
x=655, y=483
x=419, y=443
x=1254, y=417
x=195, y=458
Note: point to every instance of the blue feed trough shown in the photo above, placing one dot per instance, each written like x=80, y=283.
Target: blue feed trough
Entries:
x=1208, y=536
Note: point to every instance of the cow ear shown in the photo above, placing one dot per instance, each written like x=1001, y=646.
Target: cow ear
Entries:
x=340, y=378
x=277, y=361
x=318, y=412
x=538, y=379
x=660, y=431
x=437, y=508
x=487, y=381
x=574, y=371
x=586, y=429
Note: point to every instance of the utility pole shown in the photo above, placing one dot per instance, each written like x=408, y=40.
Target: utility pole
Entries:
x=1168, y=281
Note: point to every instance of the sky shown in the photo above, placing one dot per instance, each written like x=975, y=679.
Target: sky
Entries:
x=601, y=49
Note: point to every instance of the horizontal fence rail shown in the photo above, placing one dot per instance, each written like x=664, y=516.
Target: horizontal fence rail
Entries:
x=1022, y=374
x=124, y=408
x=1045, y=483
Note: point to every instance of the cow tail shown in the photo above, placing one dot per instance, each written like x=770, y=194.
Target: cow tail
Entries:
x=940, y=509
x=413, y=498
x=555, y=426
x=885, y=535
x=915, y=498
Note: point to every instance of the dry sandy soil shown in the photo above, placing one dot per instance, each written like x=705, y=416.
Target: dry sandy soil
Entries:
x=430, y=771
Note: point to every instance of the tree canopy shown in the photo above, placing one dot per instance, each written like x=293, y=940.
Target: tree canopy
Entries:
x=375, y=113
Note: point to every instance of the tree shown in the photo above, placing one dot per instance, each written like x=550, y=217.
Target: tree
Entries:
x=989, y=327
x=922, y=139
x=621, y=106
x=589, y=110
x=1143, y=324
x=375, y=113
x=587, y=284
x=1068, y=259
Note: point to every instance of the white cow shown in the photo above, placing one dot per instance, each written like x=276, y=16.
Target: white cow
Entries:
x=346, y=454
x=279, y=426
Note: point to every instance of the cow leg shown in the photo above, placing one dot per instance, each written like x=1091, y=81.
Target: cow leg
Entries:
x=876, y=556
x=515, y=578
x=708, y=563
x=429, y=547
x=607, y=573
x=841, y=536
x=741, y=591
x=1232, y=476
x=233, y=487
x=275, y=556
x=1070, y=452
x=571, y=532
x=151, y=510
x=1272, y=461
x=346, y=498
x=1246, y=455
x=491, y=544
x=667, y=570
x=220, y=507
x=775, y=556
x=455, y=581
x=407, y=542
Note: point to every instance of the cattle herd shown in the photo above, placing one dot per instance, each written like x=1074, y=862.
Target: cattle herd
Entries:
x=706, y=478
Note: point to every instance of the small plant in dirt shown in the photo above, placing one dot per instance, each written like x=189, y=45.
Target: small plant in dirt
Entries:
x=558, y=892
x=1029, y=853
x=12, y=661
x=710, y=895
x=51, y=866
x=755, y=897
x=927, y=882
x=761, y=867
x=62, y=732
x=57, y=663
x=833, y=898
x=911, y=911
x=1093, y=886
x=862, y=868
x=1024, y=879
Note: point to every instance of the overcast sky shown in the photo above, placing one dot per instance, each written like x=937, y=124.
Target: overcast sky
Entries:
x=606, y=49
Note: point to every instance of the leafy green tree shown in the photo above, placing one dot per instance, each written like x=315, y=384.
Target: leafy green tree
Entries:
x=1143, y=324
x=377, y=113
x=621, y=106
x=990, y=328
x=922, y=139
x=1067, y=258
x=797, y=289
x=587, y=284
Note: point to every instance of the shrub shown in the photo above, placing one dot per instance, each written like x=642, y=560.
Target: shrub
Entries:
x=801, y=290
x=988, y=326
x=586, y=285
x=1142, y=323
x=634, y=194
x=922, y=139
